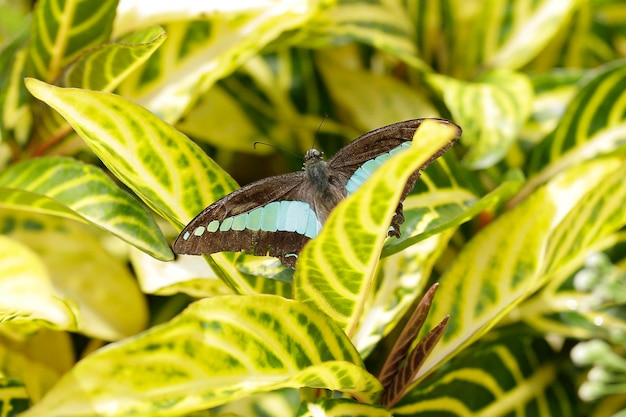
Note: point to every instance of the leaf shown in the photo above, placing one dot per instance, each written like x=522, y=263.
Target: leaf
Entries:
x=37, y=362
x=554, y=90
x=532, y=27
x=570, y=309
x=471, y=209
x=159, y=164
x=431, y=218
x=515, y=373
x=208, y=42
x=336, y=407
x=492, y=112
x=15, y=116
x=401, y=382
x=187, y=274
x=60, y=31
x=588, y=39
x=26, y=291
x=380, y=24
x=593, y=125
x=513, y=256
x=73, y=258
x=335, y=270
x=402, y=363
x=84, y=193
x=218, y=350
x=105, y=66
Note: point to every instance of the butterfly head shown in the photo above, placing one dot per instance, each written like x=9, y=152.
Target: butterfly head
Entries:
x=311, y=156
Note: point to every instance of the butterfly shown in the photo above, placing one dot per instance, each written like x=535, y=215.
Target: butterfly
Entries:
x=278, y=215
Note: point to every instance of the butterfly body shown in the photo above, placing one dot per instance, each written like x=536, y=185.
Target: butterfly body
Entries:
x=278, y=215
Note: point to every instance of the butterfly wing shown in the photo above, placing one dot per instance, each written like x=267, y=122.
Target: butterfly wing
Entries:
x=356, y=161
x=273, y=216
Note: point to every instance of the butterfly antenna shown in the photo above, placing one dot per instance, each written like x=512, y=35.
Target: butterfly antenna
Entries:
x=317, y=132
x=271, y=145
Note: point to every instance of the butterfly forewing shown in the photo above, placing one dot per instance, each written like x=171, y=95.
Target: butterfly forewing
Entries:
x=248, y=220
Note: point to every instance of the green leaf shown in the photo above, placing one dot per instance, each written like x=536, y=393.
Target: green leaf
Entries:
x=85, y=193
x=335, y=270
x=60, y=31
x=492, y=112
x=218, y=350
x=517, y=253
x=105, y=66
x=514, y=373
x=26, y=290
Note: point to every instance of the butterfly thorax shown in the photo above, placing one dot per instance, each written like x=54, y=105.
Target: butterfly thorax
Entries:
x=321, y=181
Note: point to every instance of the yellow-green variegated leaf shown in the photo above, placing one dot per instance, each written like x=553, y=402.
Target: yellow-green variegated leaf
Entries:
x=517, y=372
x=26, y=290
x=594, y=124
x=15, y=115
x=492, y=112
x=218, y=350
x=82, y=192
x=61, y=30
x=465, y=39
x=200, y=52
x=76, y=262
x=338, y=407
x=37, y=362
x=512, y=257
x=160, y=164
x=371, y=100
x=169, y=172
x=431, y=219
x=590, y=38
x=446, y=209
x=335, y=270
x=380, y=24
x=102, y=68
x=519, y=30
x=554, y=90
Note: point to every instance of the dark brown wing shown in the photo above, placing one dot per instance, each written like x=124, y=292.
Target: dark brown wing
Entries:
x=282, y=244
x=354, y=155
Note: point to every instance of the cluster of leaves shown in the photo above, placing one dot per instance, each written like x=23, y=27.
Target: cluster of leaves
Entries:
x=94, y=185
